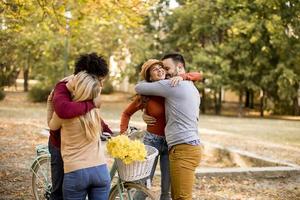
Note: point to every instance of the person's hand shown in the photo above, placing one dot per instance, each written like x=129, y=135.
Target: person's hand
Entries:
x=149, y=120
x=175, y=80
x=97, y=100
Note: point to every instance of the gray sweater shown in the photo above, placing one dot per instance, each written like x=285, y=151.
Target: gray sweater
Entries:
x=182, y=108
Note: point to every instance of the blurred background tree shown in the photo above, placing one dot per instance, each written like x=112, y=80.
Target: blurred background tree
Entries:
x=249, y=47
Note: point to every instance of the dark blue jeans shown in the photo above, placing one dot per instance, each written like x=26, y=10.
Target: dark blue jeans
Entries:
x=93, y=182
x=57, y=172
x=160, y=144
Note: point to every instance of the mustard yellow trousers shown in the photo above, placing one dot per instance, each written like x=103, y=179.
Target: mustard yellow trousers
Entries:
x=184, y=158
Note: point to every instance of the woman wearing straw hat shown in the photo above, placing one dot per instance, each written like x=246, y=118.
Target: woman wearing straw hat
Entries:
x=152, y=70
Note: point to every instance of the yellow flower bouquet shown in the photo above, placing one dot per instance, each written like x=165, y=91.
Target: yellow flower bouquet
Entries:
x=126, y=150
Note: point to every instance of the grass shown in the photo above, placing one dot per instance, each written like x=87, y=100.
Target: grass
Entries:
x=271, y=130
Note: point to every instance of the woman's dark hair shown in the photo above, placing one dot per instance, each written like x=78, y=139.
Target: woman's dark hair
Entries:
x=92, y=64
x=176, y=57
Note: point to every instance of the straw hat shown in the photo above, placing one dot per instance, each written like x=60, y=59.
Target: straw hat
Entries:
x=146, y=66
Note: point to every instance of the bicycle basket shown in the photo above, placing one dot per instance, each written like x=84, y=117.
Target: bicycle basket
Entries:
x=138, y=169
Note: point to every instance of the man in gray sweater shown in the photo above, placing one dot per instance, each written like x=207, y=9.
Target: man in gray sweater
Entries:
x=182, y=111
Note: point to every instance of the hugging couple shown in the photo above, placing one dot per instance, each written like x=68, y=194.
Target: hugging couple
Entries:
x=170, y=102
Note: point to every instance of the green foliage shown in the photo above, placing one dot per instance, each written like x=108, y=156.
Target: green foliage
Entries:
x=39, y=93
x=242, y=45
x=148, y=40
x=38, y=37
x=239, y=44
x=2, y=94
x=283, y=108
x=108, y=88
x=8, y=74
x=9, y=68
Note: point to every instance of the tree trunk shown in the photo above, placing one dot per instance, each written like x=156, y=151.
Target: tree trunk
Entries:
x=247, y=100
x=202, y=41
x=215, y=102
x=218, y=101
x=220, y=36
x=26, y=75
x=240, y=114
x=251, y=99
x=203, y=99
x=296, y=107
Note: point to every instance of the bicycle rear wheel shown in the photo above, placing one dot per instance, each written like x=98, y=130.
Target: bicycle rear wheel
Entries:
x=41, y=177
x=129, y=192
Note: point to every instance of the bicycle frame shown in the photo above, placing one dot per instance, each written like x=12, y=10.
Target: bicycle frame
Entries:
x=119, y=183
x=42, y=177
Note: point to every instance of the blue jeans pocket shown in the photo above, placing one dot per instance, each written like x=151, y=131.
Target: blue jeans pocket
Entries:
x=103, y=176
x=74, y=181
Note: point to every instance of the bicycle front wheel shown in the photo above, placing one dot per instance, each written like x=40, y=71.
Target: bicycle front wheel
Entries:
x=131, y=191
x=41, y=177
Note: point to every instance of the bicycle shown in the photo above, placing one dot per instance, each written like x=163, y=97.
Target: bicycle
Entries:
x=120, y=189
